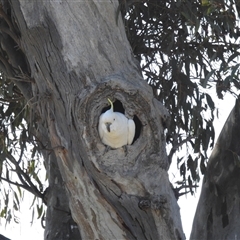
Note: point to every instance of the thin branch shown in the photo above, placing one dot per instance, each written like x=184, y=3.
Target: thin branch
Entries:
x=26, y=187
x=21, y=174
x=20, y=111
x=177, y=146
x=177, y=192
x=21, y=79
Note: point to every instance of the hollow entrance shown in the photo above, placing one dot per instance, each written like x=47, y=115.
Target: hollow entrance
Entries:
x=118, y=107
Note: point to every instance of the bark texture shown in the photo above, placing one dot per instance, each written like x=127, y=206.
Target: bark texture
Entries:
x=79, y=56
x=15, y=66
x=218, y=212
x=59, y=222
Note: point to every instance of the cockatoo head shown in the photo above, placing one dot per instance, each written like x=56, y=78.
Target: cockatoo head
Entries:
x=109, y=117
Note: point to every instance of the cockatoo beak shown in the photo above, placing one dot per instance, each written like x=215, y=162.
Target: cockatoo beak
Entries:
x=108, y=126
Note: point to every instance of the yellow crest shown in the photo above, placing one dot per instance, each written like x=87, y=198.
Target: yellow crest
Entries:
x=110, y=103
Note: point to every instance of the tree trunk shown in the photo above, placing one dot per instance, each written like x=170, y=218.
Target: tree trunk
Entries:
x=59, y=222
x=217, y=215
x=3, y=238
x=79, y=56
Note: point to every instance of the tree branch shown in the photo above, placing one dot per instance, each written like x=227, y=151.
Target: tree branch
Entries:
x=26, y=187
x=27, y=183
x=176, y=146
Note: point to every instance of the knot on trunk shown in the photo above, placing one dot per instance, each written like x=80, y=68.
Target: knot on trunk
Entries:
x=155, y=202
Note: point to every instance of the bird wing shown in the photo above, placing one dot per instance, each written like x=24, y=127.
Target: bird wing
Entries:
x=100, y=130
x=131, y=131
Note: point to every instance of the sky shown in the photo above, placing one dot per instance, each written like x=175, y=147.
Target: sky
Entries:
x=187, y=203
x=23, y=230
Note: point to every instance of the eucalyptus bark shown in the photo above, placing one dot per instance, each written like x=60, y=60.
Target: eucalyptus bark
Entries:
x=217, y=215
x=79, y=56
x=59, y=222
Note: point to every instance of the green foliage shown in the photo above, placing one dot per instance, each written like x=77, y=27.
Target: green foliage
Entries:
x=186, y=48
x=20, y=161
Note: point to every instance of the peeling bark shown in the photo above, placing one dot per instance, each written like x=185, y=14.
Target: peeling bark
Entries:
x=79, y=56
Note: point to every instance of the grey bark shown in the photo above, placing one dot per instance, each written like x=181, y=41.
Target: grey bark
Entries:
x=59, y=222
x=14, y=64
x=3, y=238
x=217, y=215
x=79, y=56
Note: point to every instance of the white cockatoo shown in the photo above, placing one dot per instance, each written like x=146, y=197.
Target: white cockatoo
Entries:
x=115, y=130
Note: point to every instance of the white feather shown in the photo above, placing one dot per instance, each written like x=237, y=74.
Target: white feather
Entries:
x=131, y=131
x=115, y=130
